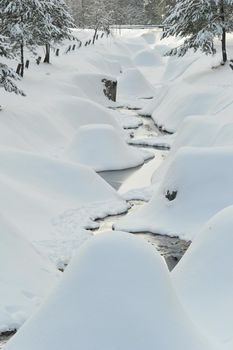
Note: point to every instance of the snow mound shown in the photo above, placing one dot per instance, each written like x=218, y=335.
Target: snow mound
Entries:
x=116, y=294
x=175, y=68
x=149, y=37
x=147, y=58
x=203, y=278
x=103, y=148
x=42, y=190
x=124, y=60
x=161, y=49
x=74, y=112
x=175, y=208
x=205, y=131
x=25, y=278
x=93, y=87
x=181, y=100
x=132, y=83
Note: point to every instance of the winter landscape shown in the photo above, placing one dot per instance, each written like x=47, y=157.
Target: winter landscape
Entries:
x=116, y=175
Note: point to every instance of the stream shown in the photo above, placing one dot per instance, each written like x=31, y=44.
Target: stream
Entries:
x=171, y=248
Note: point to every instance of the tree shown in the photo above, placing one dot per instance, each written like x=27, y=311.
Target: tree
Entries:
x=199, y=22
x=54, y=23
x=97, y=17
x=7, y=76
x=17, y=23
x=152, y=12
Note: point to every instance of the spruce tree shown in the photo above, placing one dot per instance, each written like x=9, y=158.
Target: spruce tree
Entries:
x=17, y=23
x=97, y=17
x=7, y=75
x=200, y=22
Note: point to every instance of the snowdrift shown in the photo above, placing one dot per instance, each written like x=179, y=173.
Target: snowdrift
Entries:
x=203, y=278
x=184, y=200
x=93, y=87
x=60, y=197
x=116, y=294
x=25, y=277
x=102, y=148
x=181, y=100
x=132, y=83
x=149, y=37
x=147, y=58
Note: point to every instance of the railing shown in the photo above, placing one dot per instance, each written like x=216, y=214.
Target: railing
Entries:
x=137, y=26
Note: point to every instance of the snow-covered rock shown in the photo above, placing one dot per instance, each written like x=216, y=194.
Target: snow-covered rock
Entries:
x=203, y=278
x=102, y=148
x=116, y=294
x=132, y=83
x=200, y=180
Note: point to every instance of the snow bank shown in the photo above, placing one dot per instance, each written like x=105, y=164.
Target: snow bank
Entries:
x=203, y=278
x=132, y=83
x=116, y=294
x=102, y=148
x=197, y=198
x=52, y=201
x=93, y=86
x=149, y=37
x=205, y=131
x=25, y=278
x=73, y=112
x=183, y=100
x=147, y=58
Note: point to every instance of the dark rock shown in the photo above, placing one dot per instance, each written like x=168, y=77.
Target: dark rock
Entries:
x=110, y=89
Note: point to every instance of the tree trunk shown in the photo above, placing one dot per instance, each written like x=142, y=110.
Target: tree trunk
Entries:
x=94, y=37
x=22, y=59
x=47, y=53
x=224, y=51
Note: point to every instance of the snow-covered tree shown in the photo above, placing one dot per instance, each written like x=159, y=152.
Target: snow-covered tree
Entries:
x=200, y=22
x=54, y=24
x=97, y=16
x=7, y=75
x=17, y=23
x=29, y=23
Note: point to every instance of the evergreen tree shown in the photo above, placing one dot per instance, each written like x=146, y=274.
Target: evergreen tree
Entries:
x=199, y=22
x=152, y=12
x=17, y=23
x=54, y=23
x=7, y=76
x=97, y=17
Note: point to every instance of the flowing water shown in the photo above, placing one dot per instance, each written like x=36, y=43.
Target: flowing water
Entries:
x=171, y=248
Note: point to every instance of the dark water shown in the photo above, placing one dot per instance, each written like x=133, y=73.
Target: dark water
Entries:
x=171, y=248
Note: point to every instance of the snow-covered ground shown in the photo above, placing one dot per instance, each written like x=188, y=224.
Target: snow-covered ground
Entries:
x=117, y=292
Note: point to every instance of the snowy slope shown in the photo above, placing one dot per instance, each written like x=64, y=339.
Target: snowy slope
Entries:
x=116, y=294
x=203, y=278
x=202, y=181
x=26, y=277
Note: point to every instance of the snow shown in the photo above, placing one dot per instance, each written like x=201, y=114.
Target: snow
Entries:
x=25, y=277
x=147, y=58
x=49, y=199
x=102, y=148
x=158, y=141
x=110, y=285
x=183, y=216
x=132, y=83
x=47, y=192
x=203, y=278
